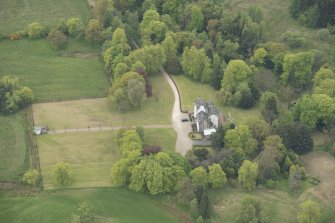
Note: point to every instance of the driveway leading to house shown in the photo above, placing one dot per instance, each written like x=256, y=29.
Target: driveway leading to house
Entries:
x=183, y=143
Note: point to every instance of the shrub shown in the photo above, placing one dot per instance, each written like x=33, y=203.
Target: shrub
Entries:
x=270, y=184
x=13, y=96
x=35, y=30
x=2, y=35
x=57, y=38
x=294, y=40
x=323, y=34
x=31, y=177
x=75, y=27
x=62, y=174
x=14, y=36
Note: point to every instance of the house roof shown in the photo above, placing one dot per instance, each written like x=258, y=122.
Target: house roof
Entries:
x=208, y=132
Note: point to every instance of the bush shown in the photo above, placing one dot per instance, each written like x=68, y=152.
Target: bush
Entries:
x=35, y=30
x=57, y=38
x=62, y=174
x=75, y=27
x=31, y=177
x=270, y=184
x=294, y=40
x=323, y=34
x=13, y=96
x=14, y=36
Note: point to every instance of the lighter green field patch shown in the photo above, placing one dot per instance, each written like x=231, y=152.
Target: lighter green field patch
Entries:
x=13, y=146
x=90, y=154
x=98, y=112
x=118, y=204
x=54, y=75
x=15, y=15
x=279, y=206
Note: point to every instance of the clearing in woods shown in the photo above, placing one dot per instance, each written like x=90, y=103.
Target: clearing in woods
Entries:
x=322, y=166
x=15, y=15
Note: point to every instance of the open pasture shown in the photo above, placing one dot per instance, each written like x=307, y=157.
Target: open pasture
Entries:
x=279, y=206
x=54, y=75
x=15, y=15
x=98, y=112
x=117, y=204
x=13, y=147
x=90, y=154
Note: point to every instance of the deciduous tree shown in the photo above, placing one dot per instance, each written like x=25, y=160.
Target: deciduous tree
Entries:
x=247, y=174
x=309, y=212
x=199, y=176
x=62, y=174
x=196, y=64
x=217, y=177
x=93, y=31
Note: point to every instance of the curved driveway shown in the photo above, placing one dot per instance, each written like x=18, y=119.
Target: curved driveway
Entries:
x=183, y=143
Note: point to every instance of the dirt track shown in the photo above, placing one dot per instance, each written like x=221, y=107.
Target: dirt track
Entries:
x=106, y=128
x=321, y=165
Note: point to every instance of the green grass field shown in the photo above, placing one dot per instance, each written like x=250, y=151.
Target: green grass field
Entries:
x=119, y=204
x=13, y=147
x=279, y=206
x=190, y=90
x=91, y=154
x=15, y=15
x=54, y=75
x=94, y=112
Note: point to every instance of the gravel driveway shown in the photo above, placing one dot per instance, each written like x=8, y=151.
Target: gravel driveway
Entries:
x=184, y=143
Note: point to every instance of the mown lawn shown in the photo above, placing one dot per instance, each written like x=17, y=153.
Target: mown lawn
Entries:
x=13, y=148
x=15, y=15
x=95, y=112
x=190, y=90
x=90, y=154
x=118, y=204
x=72, y=73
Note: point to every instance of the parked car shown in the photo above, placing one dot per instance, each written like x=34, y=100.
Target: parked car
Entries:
x=184, y=120
x=38, y=130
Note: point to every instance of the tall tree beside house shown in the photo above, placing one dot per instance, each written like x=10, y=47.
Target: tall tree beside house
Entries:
x=196, y=64
x=235, y=84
